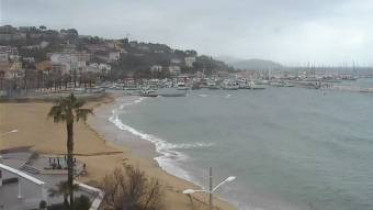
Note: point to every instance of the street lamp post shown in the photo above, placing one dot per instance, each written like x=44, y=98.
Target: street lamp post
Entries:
x=212, y=189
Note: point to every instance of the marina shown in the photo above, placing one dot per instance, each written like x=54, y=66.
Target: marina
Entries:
x=179, y=87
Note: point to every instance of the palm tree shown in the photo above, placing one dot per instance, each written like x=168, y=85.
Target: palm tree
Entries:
x=68, y=110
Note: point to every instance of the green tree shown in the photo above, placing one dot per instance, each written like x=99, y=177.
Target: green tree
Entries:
x=82, y=203
x=131, y=189
x=69, y=110
x=42, y=27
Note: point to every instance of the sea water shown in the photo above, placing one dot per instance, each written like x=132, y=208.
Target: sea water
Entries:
x=290, y=148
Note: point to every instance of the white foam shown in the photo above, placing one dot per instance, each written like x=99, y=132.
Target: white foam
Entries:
x=126, y=103
x=188, y=146
x=228, y=96
x=169, y=158
x=139, y=100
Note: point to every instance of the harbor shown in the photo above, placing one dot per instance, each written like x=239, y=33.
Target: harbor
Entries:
x=182, y=85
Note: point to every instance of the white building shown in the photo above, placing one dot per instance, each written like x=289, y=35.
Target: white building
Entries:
x=175, y=70
x=70, y=61
x=92, y=68
x=114, y=56
x=9, y=49
x=189, y=61
x=101, y=68
x=105, y=68
x=156, y=68
x=176, y=61
x=44, y=44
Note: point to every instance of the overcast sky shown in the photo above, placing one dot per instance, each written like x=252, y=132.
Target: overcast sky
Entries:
x=293, y=32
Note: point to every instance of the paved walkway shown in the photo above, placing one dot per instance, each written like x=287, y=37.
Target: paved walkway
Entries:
x=31, y=193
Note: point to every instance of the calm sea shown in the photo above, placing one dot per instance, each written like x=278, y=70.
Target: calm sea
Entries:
x=289, y=148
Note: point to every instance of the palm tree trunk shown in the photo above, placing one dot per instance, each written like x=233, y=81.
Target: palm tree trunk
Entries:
x=70, y=163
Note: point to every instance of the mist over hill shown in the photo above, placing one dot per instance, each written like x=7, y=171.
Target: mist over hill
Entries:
x=250, y=64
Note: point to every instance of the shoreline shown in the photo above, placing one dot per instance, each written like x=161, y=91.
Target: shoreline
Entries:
x=139, y=146
x=145, y=145
x=46, y=137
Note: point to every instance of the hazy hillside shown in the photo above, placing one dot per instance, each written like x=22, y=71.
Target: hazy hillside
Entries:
x=250, y=64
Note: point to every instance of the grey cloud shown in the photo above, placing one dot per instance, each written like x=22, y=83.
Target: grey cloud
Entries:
x=288, y=31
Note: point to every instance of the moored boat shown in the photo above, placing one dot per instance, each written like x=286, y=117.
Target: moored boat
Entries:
x=230, y=84
x=254, y=86
x=182, y=86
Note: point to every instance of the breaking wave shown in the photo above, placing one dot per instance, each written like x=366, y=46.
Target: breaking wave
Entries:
x=169, y=157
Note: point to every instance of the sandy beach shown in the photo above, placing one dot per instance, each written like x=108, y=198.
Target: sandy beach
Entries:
x=99, y=150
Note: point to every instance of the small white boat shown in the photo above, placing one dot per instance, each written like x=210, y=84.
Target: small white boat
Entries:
x=254, y=86
x=281, y=83
x=211, y=84
x=182, y=86
x=148, y=92
x=230, y=84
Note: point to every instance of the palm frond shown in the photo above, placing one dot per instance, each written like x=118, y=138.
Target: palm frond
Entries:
x=82, y=114
x=58, y=113
x=72, y=98
x=65, y=109
x=78, y=104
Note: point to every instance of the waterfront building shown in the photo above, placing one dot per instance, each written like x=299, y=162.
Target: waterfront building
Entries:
x=174, y=70
x=189, y=61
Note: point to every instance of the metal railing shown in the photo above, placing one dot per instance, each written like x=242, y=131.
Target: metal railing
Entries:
x=28, y=178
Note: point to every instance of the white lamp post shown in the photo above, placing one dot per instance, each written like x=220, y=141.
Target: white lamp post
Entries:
x=211, y=189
